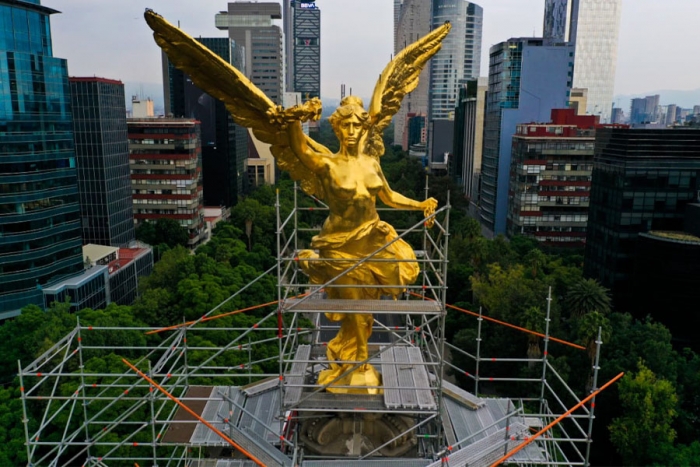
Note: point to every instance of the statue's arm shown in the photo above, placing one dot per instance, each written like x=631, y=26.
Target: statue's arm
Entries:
x=399, y=201
x=313, y=160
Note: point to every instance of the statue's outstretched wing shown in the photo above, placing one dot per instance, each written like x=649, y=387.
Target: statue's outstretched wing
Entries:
x=399, y=78
x=248, y=105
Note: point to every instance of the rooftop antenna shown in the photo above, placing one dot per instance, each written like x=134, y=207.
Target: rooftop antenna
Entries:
x=342, y=92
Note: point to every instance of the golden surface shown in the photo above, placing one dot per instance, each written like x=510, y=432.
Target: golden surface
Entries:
x=349, y=181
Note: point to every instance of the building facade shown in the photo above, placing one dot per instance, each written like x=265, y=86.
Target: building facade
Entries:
x=111, y=275
x=40, y=232
x=594, y=30
x=645, y=110
x=550, y=179
x=544, y=70
x=593, y=27
x=557, y=15
x=469, y=137
x=412, y=22
x=224, y=144
x=459, y=59
x=250, y=26
x=303, y=48
x=165, y=158
x=102, y=159
x=642, y=180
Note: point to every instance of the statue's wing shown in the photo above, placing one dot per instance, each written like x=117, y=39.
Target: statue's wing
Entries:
x=248, y=105
x=399, y=78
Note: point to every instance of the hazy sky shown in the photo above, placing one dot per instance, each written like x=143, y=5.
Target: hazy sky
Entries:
x=111, y=39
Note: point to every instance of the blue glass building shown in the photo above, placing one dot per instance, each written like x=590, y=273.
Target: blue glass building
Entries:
x=40, y=232
x=528, y=77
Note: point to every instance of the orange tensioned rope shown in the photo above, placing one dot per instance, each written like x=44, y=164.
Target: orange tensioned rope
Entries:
x=191, y=412
x=211, y=318
x=561, y=417
x=503, y=323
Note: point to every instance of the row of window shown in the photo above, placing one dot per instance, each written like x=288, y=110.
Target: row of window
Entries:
x=46, y=203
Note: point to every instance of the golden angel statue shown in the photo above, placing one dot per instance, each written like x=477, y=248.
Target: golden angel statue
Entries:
x=349, y=182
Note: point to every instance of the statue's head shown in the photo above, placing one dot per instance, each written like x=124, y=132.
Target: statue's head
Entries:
x=350, y=110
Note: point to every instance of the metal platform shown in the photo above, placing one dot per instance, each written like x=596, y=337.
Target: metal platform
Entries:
x=399, y=307
x=487, y=450
x=294, y=379
x=402, y=367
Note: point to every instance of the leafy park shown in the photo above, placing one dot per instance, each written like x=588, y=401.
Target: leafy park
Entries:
x=651, y=417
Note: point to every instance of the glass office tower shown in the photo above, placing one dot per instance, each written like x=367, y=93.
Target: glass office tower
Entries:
x=459, y=59
x=102, y=151
x=40, y=235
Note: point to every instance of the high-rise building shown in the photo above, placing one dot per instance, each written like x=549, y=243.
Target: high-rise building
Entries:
x=250, y=25
x=557, y=14
x=102, y=160
x=671, y=114
x=224, y=144
x=302, y=26
x=397, y=15
x=40, y=234
x=528, y=77
x=638, y=111
x=413, y=22
x=594, y=31
x=645, y=110
x=469, y=137
x=642, y=181
x=165, y=157
x=618, y=116
x=550, y=179
x=459, y=59
x=593, y=27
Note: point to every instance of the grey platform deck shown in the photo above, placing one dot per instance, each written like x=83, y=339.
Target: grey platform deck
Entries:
x=402, y=368
x=402, y=307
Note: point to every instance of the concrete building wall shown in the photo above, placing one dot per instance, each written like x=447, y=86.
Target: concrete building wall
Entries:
x=413, y=23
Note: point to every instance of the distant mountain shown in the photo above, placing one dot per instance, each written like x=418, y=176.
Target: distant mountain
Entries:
x=685, y=99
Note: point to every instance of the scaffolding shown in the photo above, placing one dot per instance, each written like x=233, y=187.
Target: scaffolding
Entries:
x=180, y=402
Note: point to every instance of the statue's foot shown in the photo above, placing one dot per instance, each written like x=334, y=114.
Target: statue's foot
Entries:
x=361, y=378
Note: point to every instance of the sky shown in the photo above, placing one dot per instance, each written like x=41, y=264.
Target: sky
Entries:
x=111, y=39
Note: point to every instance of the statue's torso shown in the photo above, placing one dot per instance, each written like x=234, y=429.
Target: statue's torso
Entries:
x=351, y=190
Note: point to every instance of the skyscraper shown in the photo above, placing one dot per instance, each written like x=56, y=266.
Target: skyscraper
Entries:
x=102, y=159
x=459, y=59
x=643, y=180
x=413, y=22
x=644, y=110
x=556, y=20
x=397, y=16
x=303, y=48
x=593, y=27
x=250, y=25
x=40, y=236
x=528, y=77
x=469, y=137
x=224, y=144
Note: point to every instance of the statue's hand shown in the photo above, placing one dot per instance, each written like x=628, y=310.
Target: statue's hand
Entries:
x=428, y=207
x=309, y=110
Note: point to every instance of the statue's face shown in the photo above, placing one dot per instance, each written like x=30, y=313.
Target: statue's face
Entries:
x=350, y=130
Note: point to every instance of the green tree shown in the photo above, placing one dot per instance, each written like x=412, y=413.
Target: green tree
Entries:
x=587, y=295
x=649, y=407
x=167, y=231
x=534, y=319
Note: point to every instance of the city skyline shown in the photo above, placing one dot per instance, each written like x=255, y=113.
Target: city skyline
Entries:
x=85, y=30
